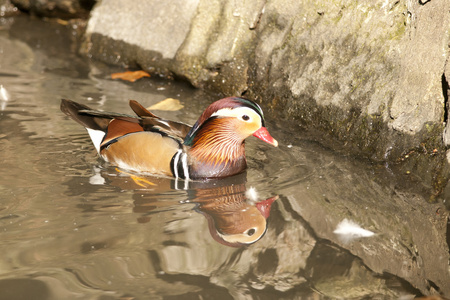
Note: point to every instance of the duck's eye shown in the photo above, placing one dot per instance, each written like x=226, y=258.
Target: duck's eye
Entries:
x=245, y=118
x=251, y=232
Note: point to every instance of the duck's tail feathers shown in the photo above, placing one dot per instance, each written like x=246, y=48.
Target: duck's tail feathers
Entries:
x=77, y=112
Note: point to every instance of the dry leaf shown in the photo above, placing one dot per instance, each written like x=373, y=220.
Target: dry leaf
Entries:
x=168, y=104
x=62, y=22
x=131, y=76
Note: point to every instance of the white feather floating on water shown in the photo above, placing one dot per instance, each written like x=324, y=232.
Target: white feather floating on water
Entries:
x=252, y=194
x=4, y=94
x=4, y=97
x=348, y=231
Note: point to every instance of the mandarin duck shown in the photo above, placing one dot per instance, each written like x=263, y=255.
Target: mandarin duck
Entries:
x=212, y=148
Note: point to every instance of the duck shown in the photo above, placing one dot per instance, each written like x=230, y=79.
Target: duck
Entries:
x=214, y=147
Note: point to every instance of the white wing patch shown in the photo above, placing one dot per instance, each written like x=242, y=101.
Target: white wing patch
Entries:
x=96, y=137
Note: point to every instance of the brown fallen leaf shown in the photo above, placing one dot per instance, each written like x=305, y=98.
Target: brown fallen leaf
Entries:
x=62, y=22
x=131, y=76
x=168, y=104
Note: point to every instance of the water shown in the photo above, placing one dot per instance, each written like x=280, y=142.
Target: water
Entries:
x=72, y=227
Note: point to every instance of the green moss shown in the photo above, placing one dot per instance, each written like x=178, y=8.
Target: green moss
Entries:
x=399, y=32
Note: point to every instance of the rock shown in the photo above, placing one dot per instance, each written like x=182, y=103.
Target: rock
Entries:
x=65, y=9
x=7, y=9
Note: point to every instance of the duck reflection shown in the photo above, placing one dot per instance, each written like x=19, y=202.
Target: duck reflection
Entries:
x=233, y=218
x=235, y=215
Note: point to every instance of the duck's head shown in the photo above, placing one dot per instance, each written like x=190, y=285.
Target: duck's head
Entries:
x=236, y=118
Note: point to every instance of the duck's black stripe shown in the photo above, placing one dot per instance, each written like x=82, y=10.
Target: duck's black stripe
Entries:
x=174, y=164
x=185, y=166
x=179, y=166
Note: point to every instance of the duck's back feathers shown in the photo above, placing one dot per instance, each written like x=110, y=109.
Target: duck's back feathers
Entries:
x=173, y=129
x=117, y=129
x=152, y=122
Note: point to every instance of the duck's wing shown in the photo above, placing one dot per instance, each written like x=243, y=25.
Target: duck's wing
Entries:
x=173, y=129
x=141, y=111
x=152, y=122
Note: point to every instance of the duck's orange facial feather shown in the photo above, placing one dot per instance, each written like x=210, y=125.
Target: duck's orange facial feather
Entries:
x=217, y=143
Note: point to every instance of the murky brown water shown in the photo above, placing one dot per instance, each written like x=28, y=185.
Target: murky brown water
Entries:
x=72, y=227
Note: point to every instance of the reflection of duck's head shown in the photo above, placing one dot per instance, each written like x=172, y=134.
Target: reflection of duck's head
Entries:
x=243, y=227
x=232, y=220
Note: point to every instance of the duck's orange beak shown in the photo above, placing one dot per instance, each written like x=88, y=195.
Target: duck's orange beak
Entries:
x=264, y=135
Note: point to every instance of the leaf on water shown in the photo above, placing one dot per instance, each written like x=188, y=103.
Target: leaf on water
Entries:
x=62, y=22
x=168, y=104
x=131, y=76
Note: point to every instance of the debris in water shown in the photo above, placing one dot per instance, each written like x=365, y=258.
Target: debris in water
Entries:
x=97, y=178
x=168, y=104
x=4, y=97
x=4, y=94
x=131, y=76
x=252, y=194
x=348, y=230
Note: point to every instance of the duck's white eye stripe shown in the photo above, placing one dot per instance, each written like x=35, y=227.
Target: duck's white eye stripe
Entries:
x=236, y=112
x=223, y=112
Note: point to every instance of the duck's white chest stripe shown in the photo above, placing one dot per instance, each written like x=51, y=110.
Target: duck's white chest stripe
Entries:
x=176, y=159
x=179, y=165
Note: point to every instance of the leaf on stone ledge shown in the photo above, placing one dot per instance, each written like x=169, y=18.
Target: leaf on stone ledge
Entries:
x=131, y=76
x=168, y=104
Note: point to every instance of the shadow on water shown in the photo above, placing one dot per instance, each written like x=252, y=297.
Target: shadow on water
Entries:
x=73, y=227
